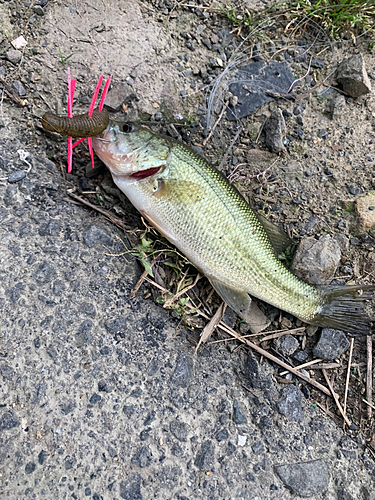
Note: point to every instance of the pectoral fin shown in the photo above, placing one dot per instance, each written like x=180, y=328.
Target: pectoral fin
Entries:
x=180, y=192
x=279, y=240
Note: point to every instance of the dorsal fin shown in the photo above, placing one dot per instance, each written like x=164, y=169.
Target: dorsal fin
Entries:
x=278, y=239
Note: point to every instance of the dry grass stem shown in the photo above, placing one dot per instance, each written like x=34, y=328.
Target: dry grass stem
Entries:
x=299, y=367
x=226, y=104
x=369, y=376
x=10, y=93
x=224, y=159
x=115, y=220
x=348, y=374
x=369, y=404
x=335, y=397
x=210, y=327
x=170, y=301
x=281, y=333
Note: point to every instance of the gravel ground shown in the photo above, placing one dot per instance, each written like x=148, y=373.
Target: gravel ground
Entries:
x=102, y=396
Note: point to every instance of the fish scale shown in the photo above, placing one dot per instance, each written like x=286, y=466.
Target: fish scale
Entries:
x=197, y=210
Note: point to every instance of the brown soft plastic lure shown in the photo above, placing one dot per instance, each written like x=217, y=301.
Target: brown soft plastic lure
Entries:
x=79, y=125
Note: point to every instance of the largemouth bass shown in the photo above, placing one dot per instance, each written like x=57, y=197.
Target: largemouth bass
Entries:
x=190, y=203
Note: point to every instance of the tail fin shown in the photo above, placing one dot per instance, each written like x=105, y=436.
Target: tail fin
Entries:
x=344, y=308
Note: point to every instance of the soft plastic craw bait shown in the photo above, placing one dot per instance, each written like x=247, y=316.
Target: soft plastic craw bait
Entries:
x=84, y=126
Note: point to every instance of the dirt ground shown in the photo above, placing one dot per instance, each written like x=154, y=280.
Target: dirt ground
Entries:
x=102, y=395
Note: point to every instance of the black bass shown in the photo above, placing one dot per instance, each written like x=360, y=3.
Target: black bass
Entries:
x=197, y=210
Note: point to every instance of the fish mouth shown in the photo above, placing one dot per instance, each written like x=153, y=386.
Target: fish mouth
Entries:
x=144, y=174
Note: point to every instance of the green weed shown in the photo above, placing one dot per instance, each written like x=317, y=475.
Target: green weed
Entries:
x=64, y=59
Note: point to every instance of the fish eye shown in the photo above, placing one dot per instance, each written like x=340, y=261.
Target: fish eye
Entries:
x=128, y=127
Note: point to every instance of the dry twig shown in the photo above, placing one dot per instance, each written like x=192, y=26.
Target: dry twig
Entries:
x=334, y=395
x=369, y=376
x=210, y=327
x=348, y=374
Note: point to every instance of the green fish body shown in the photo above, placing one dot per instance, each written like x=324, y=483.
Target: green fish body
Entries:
x=197, y=210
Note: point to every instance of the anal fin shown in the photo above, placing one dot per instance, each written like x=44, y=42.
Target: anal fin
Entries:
x=242, y=304
x=238, y=301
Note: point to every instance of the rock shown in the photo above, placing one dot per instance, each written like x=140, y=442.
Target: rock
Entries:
x=237, y=416
x=316, y=261
x=19, y=43
x=251, y=81
x=291, y=403
x=183, y=372
x=14, y=56
x=120, y=94
x=332, y=344
x=130, y=489
x=30, y=467
x=179, y=430
x=38, y=9
x=142, y=458
x=205, y=457
x=19, y=88
x=337, y=107
x=305, y=478
x=255, y=318
x=275, y=128
x=256, y=374
x=16, y=176
x=286, y=345
x=45, y=273
x=7, y=371
x=365, y=209
x=8, y=421
x=352, y=75
x=95, y=234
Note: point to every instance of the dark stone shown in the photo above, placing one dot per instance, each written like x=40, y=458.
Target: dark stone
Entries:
x=301, y=356
x=49, y=229
x=237, y=416
x=118, y=327
x=291, y=403
x=45, y=273
x=128, y=410
x=299, y=109
x=177, y=450
x=67, y=407
x=82, y=336
x=96, y=234
x=253, y=83
x=255, y=373
x=179, y=430
x=16, y=176
x=120, y=93
x=19, y=88
x=7, y=372
x=222, y=435
x=352, y=75
x=183, y=372
x=95, y=398
x=42, y=457
x=205, y=457
x=305, y=478
x=332, y=344
x=142, y=458
x=275, y=129
x=130, y=489
x=150, y=418
x=30, y=467
x=286, y=345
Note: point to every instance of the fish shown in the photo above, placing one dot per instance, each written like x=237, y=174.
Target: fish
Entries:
x=78, y=126
x=195, y=207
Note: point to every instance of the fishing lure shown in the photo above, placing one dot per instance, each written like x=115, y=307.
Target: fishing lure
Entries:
x=84, y=126
x=78, y=126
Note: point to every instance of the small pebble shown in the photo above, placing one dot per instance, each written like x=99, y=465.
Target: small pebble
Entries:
x=16, y=176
